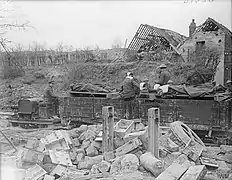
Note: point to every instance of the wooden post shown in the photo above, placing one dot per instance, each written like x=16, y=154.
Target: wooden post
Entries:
x=108, y=128
x=153, y=131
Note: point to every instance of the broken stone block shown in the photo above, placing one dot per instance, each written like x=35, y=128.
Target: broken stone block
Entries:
x=32, y=156
x=193, y=150
x=72, y=156
x=48, y=167
x=57, y=140
x=48, y=177
x=35, y=144
x=103, y=166
x=144, y=139
x=91, y=151
x=97, y=145
x=108, y=155
x=118, y=142
x=80, y=155
x=89, y=162
x=87, y=135
x=172, y=147
x=194, y=173
x=167, y=143
x=35, y=173
x=127, y=147
x=94, y=169
x=85, y=144
x=76, y=142
x=116, y=165
x=173, y=172
x=223, y=173
x=130, y=163
x=183, y=160
x=58, y=170
x=162, y=152
x=47, y=159
x=60, y=157
x=138, y=153
x=152, y=164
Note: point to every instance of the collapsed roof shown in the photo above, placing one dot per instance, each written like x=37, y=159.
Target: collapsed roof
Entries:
x=147, y=34
x=212, y=25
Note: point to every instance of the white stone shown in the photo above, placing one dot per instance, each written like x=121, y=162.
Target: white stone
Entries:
x=130, y=163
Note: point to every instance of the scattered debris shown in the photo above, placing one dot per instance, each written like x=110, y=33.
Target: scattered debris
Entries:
x=152, y=164
x=78, y=154
x=127, y=147
x=34, y=173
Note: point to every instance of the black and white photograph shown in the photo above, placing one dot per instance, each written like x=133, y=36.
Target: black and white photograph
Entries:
x=115, y=90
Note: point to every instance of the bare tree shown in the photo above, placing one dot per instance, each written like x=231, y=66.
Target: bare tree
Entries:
x=11, y=65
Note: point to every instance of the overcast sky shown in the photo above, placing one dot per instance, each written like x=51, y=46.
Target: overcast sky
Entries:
x=81, y=24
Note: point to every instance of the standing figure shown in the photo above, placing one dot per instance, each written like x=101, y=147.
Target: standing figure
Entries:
x=129, y=90
x=51, y=99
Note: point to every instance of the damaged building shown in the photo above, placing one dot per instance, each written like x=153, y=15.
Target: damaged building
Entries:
x=156, y=42
x=211, y=43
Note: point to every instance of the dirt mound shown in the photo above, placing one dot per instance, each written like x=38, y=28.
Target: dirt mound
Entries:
x=33, y=83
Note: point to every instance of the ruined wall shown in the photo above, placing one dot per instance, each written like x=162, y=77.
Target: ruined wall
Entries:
x=213, y=39
x=228, y=58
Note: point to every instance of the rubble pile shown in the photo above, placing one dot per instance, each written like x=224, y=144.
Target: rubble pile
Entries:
x=78, y=154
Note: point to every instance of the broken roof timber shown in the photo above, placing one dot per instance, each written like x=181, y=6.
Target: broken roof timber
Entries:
x=211, y=25
x=146, y=33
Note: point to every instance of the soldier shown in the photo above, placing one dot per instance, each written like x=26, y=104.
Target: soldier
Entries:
x=164, y=75
x=51, y=99
x=129, y=90
x=229, y=86
x=49, y=94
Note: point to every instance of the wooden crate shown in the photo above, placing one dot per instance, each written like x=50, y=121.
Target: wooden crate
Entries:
x=124, y=127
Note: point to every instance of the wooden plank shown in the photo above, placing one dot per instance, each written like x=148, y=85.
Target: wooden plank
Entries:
x=108, y=128
x=153, y=131
x=127, y=147
x=195, y=173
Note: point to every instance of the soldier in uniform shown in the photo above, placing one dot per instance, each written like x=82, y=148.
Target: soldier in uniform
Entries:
x=129, y=90
x=229, y=86
x=164, y=75
x=51, y=99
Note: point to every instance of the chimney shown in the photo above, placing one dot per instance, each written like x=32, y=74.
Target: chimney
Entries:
x=192, y=28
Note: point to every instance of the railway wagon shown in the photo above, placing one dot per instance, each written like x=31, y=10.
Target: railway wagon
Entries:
x=210, y=119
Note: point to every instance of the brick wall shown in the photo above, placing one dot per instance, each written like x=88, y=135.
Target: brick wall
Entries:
x=213, y=39
x=201, y=112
